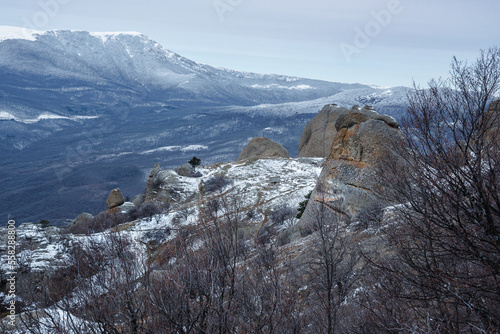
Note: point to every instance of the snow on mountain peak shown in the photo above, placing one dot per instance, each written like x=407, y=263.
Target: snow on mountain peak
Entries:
x=104, y=36
x=8, y=32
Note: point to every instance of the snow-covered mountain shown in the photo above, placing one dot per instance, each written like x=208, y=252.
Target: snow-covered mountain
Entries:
x=72, y=69
x=83, y=112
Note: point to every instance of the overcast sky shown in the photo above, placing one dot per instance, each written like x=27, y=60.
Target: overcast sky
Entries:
x=379, y=42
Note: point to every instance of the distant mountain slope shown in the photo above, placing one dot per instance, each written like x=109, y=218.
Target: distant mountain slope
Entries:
x=80, y=72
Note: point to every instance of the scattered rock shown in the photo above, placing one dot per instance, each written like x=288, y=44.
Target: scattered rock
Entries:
x=260, y=147
x=83, y=218
x=115, y=198
x=389, y=120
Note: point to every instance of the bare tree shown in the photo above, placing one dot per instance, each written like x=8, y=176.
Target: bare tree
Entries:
x=101, y=291
x=267, y=296
x=334, y=269
x=447, y=239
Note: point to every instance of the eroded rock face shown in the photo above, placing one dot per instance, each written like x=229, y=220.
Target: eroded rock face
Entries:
x=260, y=147
x=348, y=186
x=318, y=135
x=364, y=142
x=115, y=198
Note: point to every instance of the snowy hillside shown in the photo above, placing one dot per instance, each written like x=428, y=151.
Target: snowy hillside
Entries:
x=44, y=249
x=385, y=100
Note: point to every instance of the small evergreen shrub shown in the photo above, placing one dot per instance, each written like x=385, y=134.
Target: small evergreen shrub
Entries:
x=194, y=162
x=303, y=205
x=44, y=223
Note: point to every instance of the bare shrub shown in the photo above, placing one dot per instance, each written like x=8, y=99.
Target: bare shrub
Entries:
x=149, y=210
x=216, y=183
x=448, y=232
x=101, y=222
x=282, y=215
x=370, y=216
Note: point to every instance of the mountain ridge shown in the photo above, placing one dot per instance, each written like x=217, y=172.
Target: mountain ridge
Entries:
x=133, y=67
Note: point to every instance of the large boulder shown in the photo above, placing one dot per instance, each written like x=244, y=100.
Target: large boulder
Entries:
x=83, y=219
x=138, y=200
x=348, y=187
x=185, y=170
x=318, y=135
x=115, y=198
x=260, y=147
x=494, y=106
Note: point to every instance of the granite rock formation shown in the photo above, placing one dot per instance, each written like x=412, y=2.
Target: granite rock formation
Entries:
x=260, y=147
x=115, y=198
x=318, y=135
x=348, y=187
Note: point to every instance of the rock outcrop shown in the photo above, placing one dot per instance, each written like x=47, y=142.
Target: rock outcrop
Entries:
x=138, y=200
x=83, y=219
x=348, y=186
x=115, y=198
x=185, y=170
x=260, y=147
x=494, y=106
x=167, y=186
x=318, y=135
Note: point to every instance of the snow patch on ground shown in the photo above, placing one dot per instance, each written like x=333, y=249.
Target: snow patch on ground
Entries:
x=177, y=148
x=266, y=184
